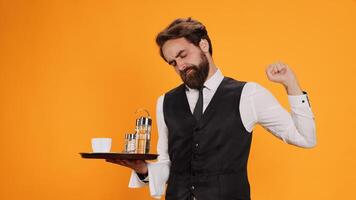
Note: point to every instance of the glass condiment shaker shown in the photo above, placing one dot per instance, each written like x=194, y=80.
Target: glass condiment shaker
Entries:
x=143, y=127
x=131, y=145
x=146, y=124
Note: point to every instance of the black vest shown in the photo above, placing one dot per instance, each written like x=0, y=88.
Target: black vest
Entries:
x=209, y=156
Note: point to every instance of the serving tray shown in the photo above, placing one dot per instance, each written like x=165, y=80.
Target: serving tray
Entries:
x=122, y=156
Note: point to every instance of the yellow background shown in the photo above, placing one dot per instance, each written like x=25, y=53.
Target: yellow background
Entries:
x=73, y=70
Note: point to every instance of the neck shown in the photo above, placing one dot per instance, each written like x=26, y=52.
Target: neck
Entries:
x=212, y=67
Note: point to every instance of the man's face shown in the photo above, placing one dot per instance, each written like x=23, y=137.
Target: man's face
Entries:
x=188, y=60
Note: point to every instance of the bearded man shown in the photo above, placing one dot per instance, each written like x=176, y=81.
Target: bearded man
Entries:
x=205, y=124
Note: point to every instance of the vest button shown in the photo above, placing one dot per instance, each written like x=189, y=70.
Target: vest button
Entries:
x=193, y=187
x=196, y=145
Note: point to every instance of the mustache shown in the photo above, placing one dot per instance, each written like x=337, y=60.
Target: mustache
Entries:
x=190, y=67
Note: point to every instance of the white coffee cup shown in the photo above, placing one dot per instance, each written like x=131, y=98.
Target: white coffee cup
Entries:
x=101, y=145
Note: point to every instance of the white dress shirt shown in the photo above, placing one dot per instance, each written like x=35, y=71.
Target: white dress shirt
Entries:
x=257, y=105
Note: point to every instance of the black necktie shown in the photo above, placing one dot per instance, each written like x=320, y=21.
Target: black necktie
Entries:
x=198, y=110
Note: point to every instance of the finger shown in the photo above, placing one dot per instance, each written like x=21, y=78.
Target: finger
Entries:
x=269, y=71
x=139, y=161
x=271, y=68
x=116, y=161
x=128, y=163
x=282, y=65
x=279, y=67
x=284, y=68
x=133, y=163
x=112, y=160
x=275, y=70
x=125, y=163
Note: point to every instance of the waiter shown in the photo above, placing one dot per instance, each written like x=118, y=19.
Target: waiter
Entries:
x=205, y=124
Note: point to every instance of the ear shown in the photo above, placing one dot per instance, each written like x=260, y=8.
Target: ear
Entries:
x=204, y=45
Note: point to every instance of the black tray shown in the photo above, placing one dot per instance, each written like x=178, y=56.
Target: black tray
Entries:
x=122, y=156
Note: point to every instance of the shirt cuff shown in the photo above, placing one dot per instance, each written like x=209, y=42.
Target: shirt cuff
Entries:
x=299, y=100
x=135, y=181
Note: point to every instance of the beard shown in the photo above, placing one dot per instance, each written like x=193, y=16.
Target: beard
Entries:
x=194, y=76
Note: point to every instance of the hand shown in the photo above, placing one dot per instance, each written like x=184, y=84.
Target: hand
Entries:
x=140, y=166
x=281, y=73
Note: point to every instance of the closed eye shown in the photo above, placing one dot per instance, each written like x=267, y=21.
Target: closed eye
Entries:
x=180, y=54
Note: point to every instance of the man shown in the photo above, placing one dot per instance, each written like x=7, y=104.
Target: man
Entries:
x=205, y=125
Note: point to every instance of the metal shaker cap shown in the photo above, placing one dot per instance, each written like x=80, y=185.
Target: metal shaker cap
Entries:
x=131, y=136
x=147, y=121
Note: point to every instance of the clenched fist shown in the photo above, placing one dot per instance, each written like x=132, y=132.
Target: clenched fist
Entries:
x=281, y=73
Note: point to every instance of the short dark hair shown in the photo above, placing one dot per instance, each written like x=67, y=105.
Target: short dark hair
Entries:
x=192, y=30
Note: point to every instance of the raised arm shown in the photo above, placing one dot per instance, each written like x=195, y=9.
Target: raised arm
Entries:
x=259, y=106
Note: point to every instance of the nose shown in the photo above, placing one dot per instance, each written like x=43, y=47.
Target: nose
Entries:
x=180, y=64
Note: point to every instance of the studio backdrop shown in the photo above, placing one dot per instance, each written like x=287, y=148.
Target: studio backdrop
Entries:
x=74, y=70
